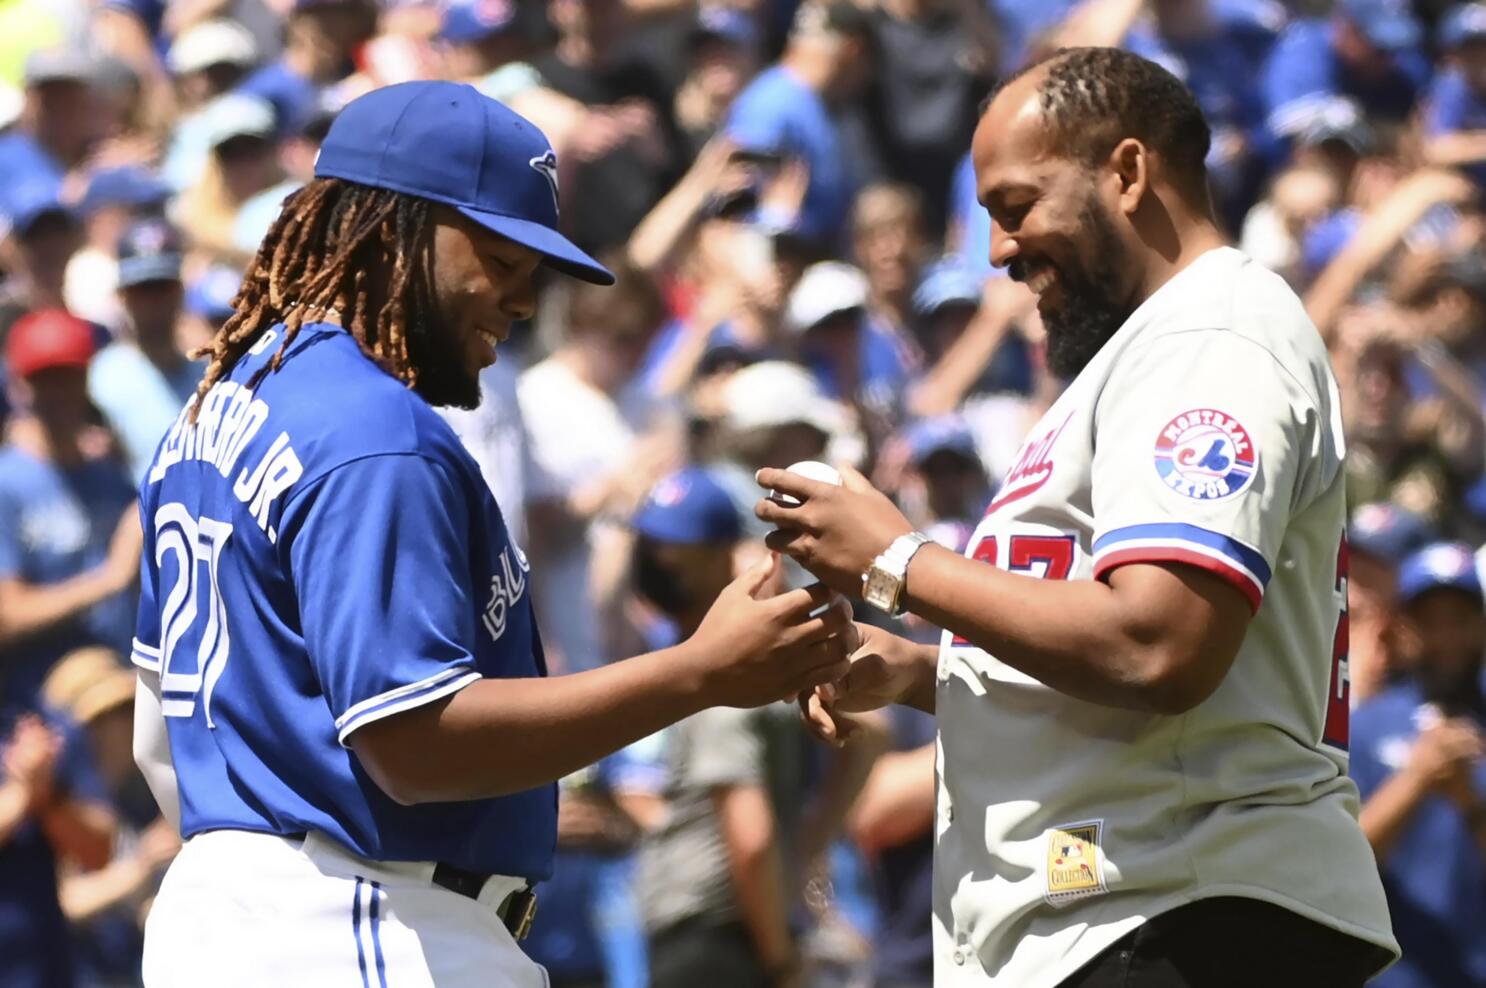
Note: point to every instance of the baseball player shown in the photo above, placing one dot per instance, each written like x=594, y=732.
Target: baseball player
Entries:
x=1141, y=691
x=342, y=689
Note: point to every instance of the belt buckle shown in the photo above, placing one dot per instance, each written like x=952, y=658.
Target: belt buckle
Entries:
x=520, y=912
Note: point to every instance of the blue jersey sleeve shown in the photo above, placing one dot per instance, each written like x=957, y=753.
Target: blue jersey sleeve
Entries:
x=10, y=537
x=380, y=555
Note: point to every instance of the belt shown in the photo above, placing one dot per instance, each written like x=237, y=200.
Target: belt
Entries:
x=517, y=910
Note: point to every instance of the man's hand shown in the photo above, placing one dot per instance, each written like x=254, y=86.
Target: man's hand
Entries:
x=757, y=650
x=885, y=669
x=836, y=532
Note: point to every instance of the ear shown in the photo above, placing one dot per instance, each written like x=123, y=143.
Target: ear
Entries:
x=1131, y=162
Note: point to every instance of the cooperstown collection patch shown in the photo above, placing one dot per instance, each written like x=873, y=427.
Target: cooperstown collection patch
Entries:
x=1206, y=455
x=1075, y=863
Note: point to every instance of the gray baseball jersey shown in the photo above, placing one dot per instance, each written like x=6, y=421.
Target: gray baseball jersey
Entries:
x=1207, y=431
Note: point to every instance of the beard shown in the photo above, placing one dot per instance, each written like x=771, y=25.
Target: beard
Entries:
x=1091, y=311
x=444, y=380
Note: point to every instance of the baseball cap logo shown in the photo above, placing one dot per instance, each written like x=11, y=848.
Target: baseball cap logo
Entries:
x=546, y=166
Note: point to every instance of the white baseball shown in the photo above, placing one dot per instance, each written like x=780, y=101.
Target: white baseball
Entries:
x=814, y=470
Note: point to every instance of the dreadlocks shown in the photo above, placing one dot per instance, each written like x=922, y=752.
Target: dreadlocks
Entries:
x=331, y=242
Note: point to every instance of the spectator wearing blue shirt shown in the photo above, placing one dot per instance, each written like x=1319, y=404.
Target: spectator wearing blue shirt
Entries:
x=1419, y=760
x=1380, y=536
x=69, y=530
x=1025, y=25
x=1209, y=44
x=1368, y=51
x=1455, y=106
x=321, y=37
x=855, y=362
x=786, y=113
x=59, y=123
x=51, y=807
x=141, y=381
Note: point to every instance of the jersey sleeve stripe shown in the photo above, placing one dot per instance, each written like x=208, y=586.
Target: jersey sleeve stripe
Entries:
x=1242, y=580
x=1244, y=556
x=395, y=701
x=145, y=656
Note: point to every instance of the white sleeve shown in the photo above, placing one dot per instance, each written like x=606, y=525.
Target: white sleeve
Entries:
x=152, y=745
x=1202, y=441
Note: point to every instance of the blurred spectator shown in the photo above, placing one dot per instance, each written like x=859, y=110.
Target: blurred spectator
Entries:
x=1379, y=537
x=622, y=152
x=1368, y=50
x=584, y=422
x=209, y=59
x=297, y=151
x=1455, y=107
x=44, y=235
x=58, y=126
x=892, y=821
x=51, y=810
x=1420, y=763
x=721, y=56
x=1208, y=44
x=320, y=40
x=69, y=529
x=888, y=241
x=774, y=414
x=114, y=197
x=208, y=306
x=785, y=113
x=243, y=162
x=495, y=435
x=721, y=871
x=936, y=60
x=94, y=689
x=485, y=45
x=855, y=362
x=142, y=380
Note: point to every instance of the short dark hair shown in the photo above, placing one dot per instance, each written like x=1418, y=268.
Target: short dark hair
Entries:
x=1096, y=97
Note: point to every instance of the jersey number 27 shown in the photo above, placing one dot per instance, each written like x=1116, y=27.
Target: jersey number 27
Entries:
x=193, y=652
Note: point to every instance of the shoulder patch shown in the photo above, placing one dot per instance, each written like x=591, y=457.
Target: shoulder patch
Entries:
x=1206, y=455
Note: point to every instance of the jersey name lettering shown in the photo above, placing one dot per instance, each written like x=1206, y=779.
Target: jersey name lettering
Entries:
x=230, y=418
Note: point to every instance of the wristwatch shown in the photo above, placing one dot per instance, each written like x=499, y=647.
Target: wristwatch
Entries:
x=882, y=584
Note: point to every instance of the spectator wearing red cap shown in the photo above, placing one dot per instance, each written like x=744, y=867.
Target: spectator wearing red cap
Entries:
x=69, y=533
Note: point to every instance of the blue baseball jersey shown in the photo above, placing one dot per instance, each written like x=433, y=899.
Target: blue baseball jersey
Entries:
x=320, y=553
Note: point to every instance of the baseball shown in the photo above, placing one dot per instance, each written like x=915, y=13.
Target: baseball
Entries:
x=815, y=470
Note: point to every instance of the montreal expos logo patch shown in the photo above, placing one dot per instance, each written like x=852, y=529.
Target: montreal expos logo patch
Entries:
x=1206, y=455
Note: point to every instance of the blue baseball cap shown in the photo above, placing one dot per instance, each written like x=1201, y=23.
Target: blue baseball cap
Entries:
x=469, y=21
x=724, y=24
x=1464, y=24
x=690, y=508
x=1443, y=565
x=1388, y=24
x=210, y=295
x=1387, y=532
x=948, y=281
x=942, y=433
x=128, y=186
x=30, y=201
x=492, y=164
x=149, y=250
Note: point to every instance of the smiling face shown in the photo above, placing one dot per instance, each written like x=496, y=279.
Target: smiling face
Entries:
x=481, y=283
x=1052, y=227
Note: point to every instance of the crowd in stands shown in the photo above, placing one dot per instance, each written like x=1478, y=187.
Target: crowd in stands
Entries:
x=784, y=191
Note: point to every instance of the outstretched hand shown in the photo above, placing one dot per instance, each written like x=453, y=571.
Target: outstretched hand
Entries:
x=836, y=532
x=884, y=669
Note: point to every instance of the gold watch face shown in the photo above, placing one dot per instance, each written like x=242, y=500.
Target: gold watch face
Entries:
x=880, y=590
